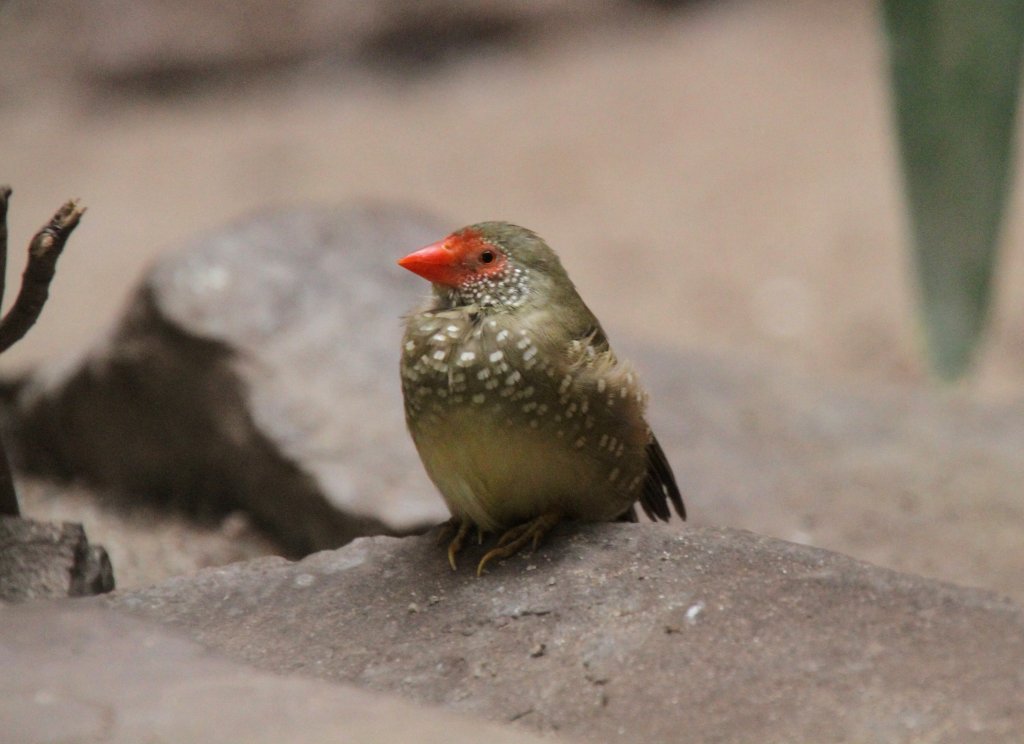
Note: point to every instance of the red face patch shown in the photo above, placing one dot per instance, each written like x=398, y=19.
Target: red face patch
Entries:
x=476, y=256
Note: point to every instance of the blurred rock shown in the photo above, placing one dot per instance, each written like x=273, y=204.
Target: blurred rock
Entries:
x=912, y=478
x=619, y=632
x=164, y=46
x=255, y=370
x=44, y=559
x=76, y=674
x=235, y=379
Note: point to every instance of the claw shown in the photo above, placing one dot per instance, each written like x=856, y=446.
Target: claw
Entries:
x=456, y=544
x=514, y=539
x=446, y=530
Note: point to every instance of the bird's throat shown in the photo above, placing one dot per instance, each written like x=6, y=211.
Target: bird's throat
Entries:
x=505, y=290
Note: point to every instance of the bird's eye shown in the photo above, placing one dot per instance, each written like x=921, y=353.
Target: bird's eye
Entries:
x=487, y=256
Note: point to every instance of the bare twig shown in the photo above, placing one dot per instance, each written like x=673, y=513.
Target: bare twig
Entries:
x=43, y=252
x=5, y=197
x=8, y=498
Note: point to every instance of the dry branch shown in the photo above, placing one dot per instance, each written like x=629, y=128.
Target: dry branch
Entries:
x=5, y=196
x=43, y=252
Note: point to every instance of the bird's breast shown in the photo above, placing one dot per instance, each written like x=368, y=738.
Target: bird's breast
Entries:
x=451, y=360
x=498, y=477
x=505, y=426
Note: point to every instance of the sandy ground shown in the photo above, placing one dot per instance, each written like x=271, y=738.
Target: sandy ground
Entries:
x=145, y=544
x=723, y=178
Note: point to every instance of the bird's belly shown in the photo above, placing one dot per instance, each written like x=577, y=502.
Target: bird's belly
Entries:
x=498, y=476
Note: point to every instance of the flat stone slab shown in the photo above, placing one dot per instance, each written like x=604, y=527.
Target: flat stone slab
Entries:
x=78, y=674
x=619, y=633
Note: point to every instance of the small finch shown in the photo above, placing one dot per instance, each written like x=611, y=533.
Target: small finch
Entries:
x=519, y=409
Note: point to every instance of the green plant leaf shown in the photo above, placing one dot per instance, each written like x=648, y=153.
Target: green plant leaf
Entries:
x=955, y=75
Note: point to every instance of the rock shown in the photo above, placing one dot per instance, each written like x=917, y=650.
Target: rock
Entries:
x=44, y=559
x=84, y=675
x=256, y=369
x=913, y=478
x=186, y=41
x=644, y=631
x=165, y=47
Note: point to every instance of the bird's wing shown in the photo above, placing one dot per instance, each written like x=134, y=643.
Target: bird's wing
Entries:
x=660, y=486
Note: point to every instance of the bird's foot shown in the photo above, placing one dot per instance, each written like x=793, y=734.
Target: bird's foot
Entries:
x=446, y=530
x=514, y=539
x=454, y=530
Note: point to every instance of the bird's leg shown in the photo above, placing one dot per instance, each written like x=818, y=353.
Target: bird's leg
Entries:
x=514, y=539
x=460, y=535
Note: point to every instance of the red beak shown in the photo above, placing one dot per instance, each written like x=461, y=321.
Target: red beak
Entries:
x=436, y=263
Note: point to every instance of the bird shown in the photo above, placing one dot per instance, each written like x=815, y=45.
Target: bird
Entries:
x=520, y=411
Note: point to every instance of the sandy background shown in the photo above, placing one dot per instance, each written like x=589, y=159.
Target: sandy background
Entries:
x=723, y=175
